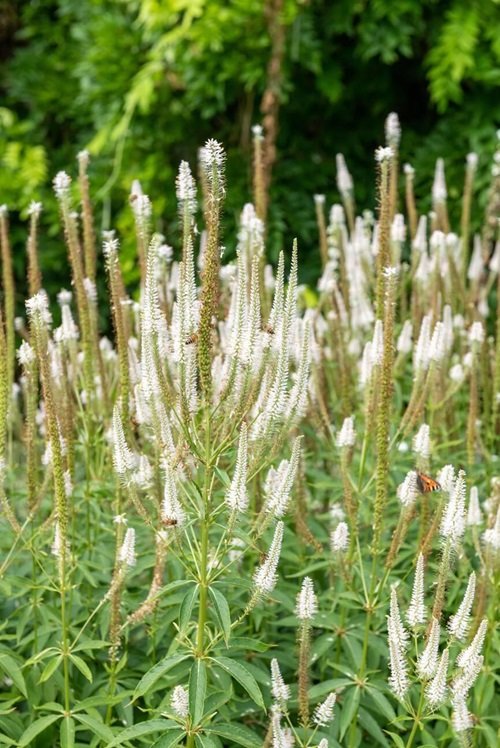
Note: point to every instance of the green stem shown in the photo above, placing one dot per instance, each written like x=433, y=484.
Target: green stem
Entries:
x=416, y=723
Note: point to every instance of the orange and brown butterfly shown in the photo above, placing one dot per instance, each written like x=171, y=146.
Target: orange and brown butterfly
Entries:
x=426, y=484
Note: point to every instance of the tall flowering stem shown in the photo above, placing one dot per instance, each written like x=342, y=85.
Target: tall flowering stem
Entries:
x=62, y=185
x=384, y=406
x=110, y=250
x=259, y=173
x=89, y=251
x=34, y=274
x=40, y=319
x=470, y=172
x=213, y=165
x=9, y=292
x=4, y=408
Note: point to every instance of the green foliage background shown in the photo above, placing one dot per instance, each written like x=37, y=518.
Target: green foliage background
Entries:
x=142, y=83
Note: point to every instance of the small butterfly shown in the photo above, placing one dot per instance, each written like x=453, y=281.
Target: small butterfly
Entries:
x=426, y=484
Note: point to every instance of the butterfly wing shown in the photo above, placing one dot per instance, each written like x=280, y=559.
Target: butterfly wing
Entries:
x=426, y=484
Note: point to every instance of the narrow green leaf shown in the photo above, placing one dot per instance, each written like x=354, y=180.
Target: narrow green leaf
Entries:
x=67, y=732
x=96, y=726
x=36, y=728
x=240, y=674
x=372, y=727
x=382, y=703
x=349, y=707
x=398, y=740
x=50, y=668
x=142, y=728
x=152, y=676
x=222, y=610
x=238, y=734
x=13, y=671
x=203, y=740
x=197, y=690
x=186, y=608
x=169, y=740
x=82, y=667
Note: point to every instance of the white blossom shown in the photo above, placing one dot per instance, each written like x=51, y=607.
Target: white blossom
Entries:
x=323, y=714
x=237, y=495
x=280, y=690
x=346, y=437
x=467, y=657
x=405, y=344
x=437, y=689
x=266, y=576
x=453, y=520
x=339, y=538
x=392, y=129
x=38, y=308
x=458, y=625
x=416, y=611
x=127, y=550
x=25, y=354
x=407, y=491
x=460, y=717
x=476, y=333
x=61, y=184
x=474, y=515
x=422, y=442
x=383, y=154
x=428, y=659
x=307, y=602
x=179, y=701
x=491, y=536
x=35, y=209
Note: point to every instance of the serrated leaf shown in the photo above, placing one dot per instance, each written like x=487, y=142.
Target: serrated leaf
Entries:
x=205, y=741
x=169, y=740
x=382, y=703
x=36, y=728
x=238, y=734
x=13, y=671
x=82, y=667
x=349, y=708
x=186, y=608
x=50, y=668
x=197, y=690
x=157, y=671
x=397, y=739
x=98, y=728
x=371, y=726
x=142, y=728
x=67, y=732
x=240, y=674
x=222, y=610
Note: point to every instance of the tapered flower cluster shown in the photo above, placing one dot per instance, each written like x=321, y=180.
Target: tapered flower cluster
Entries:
x=266, y=576
x=397, y=637
x=307, y=602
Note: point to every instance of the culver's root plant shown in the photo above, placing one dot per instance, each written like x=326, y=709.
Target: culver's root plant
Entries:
x=251, y=513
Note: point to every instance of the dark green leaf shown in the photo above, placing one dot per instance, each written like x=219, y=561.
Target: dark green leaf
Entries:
x=197, y=690
x=240, y=674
